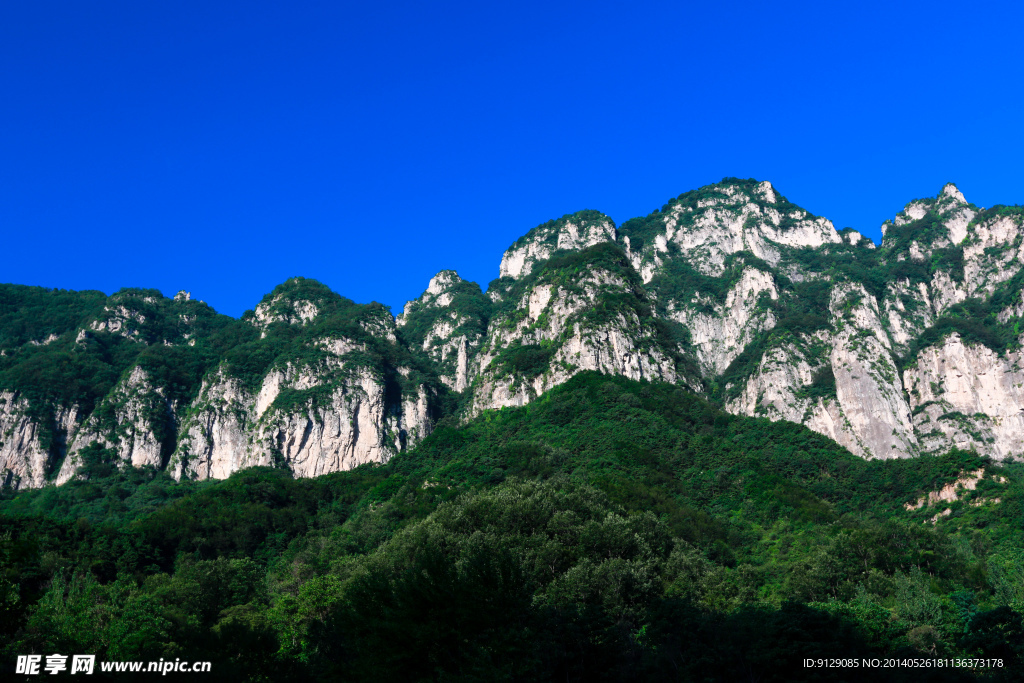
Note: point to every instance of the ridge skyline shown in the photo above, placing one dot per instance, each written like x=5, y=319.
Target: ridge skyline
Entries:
x=730, y=291
x=396, y=306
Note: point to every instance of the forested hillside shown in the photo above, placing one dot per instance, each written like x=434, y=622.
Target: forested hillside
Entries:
x=707, y=444
x=732, y=291
x=613, y=530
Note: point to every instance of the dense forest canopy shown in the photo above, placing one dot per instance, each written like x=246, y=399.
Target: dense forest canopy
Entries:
x=612, y=530
x=609, y=528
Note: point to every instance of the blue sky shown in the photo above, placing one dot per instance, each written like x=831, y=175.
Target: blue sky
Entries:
x=222, y=147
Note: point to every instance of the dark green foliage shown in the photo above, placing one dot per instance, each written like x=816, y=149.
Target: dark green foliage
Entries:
x=67, y=372
x=924, y=231
x=997, y=634
x=565, y=268
x=823, y=384
x=97, y=462
x=846, y=263
x=611, y=530
x=255, y=514
x=997, y=211
x=178, y=370
x=876, y=268
x=949, y=260
x=34, y=313
x=467, y=302
x=250, y=360
x=105, y=495
x=528, y=360
x=642, y=230
x=975, y=321
x=800, y=312
x=679, y=281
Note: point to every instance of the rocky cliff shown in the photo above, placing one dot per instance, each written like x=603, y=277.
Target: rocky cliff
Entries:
x=585, y=310
x=336, y=390
x=447, y=324
x=908, y=347
x=571, y=232
x=308, y=381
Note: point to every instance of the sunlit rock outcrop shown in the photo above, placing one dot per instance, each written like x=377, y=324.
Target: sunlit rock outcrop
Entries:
x=907, y=347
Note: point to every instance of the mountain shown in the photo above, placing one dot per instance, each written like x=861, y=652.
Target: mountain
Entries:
x=717, y=442
x=611, y=530
x=731, y=291
x=308, y=380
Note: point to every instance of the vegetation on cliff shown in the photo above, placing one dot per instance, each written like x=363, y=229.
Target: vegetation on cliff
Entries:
x=608, y=531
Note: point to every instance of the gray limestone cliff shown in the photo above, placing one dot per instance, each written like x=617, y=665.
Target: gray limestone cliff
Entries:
x=945, y=268
x=967, y=396
x=332, y=414
x=571, y=232
x=28, y=439
x=341, y=392
x=447, y=324
x=909, y=347
x=308, y=381
x=135, y=420
x=704, y=228
x=583, y=311
x=841, y=380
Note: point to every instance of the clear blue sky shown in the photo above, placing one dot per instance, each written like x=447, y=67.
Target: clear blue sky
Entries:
x=222, y=147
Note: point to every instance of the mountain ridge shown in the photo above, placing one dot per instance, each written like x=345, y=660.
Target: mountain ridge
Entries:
x=730, y=291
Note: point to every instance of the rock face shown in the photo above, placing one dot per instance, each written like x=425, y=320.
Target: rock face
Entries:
x=720, y=331
x=131, y=420
x=968, y=396
x=893, y=353
x=214, y=438
x=30, y=444
x=314, y=383
x=329, y=415
x=910, y=347
x=734, y=263
x=448, y=323
x=329, y=431
x=335, y=398
x=707, y=226
x=876, y=417
x=840, y=382
x=584, y=313
x=570, y=232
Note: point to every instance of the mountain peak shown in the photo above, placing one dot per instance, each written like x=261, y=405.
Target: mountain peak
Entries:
x=951, y=191
x=948, y=204
x=442, y=281
x=705, y=226
x=296, y=300
x=573, y=231
x=442, y=290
